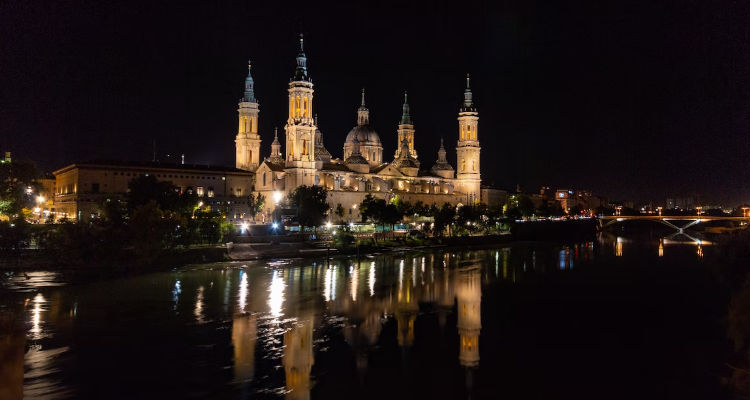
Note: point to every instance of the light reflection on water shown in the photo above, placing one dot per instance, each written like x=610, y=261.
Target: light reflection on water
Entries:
x=267, y=322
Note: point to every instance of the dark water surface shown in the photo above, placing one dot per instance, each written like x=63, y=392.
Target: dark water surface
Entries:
x=604, y=319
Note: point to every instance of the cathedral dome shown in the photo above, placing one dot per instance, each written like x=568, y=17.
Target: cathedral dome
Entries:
x=365, y=134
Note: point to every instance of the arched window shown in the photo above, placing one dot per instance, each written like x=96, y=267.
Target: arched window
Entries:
x=304, y=106
x=474, y=165
x=249, y=157
x=297, y=107
x=463, y=165
x=264, y=179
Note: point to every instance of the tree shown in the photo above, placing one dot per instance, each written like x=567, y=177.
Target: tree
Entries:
x=371, y=208
x=256, y=203
x=310, y=203
x=15, y=179
x=339, y=211
x=444, y=219
x=525, y=205
x=147, y=188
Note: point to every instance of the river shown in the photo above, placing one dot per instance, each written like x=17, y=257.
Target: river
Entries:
x=608, y=318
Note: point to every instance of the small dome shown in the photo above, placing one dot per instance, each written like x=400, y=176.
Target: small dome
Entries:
x=365, y=134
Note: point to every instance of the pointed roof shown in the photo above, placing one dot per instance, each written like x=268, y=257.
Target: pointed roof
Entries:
x=356, y=156
x=249, y=95
x=405, y=114
x=300, y=73
x=468, y=105
x=363, y=114
x=276, y=157
x=321, y=154
x=362, y=104
x=442, y=161
x=405, y=160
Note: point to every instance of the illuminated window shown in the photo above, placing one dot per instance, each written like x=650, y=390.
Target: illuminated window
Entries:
x=199, y=191
x=463, y=165
x=297, y=107
x=210, y=192
x=239, y=192
x=473, y=165
x=304, y=107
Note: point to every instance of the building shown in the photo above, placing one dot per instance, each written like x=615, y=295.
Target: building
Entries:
x=80, y=188
x=362, y=169
x=493, y=197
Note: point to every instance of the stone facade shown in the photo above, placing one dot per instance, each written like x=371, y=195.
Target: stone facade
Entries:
x=362, y=170
x=81, y=188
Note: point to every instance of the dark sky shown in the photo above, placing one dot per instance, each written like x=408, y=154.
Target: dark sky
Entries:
x=633, y=100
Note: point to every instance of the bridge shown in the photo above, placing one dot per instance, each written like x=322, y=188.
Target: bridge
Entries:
x=667, y=220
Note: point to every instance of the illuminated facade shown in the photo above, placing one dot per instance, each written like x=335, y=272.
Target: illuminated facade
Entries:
x=247, y=143
x=362, y=170
x=80, y=188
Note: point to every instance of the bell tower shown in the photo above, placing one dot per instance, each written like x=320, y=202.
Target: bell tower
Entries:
x=247, y=142
x=405, y=130
x=300, y=127
x=468, y=179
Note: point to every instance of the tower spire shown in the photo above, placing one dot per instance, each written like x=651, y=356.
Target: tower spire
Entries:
x=249, y=95
x=468, y=105
x=300, y=73
x=405, y=114
x=363, y=114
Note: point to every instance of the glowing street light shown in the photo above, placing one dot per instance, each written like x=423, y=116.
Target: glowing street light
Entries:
x=328, y=225
x=277, y=197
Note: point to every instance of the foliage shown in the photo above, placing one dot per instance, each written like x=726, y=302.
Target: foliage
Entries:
x=14, y=235
x=519, y=205
x=444, y=218
x=256, y=203
x=147, y=188
x=310, y=203
x=343, y=239
x=15, y=178
x=339, y=211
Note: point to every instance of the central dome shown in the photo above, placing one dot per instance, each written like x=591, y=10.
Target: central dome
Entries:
x=365, y=134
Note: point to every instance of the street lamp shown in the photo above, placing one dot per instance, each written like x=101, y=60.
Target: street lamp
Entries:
x=277, y=197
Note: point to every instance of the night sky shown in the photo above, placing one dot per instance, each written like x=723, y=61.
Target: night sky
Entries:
x=633, y=100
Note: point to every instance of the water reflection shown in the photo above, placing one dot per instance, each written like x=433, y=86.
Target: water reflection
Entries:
x=275, y=329
x=298, y=359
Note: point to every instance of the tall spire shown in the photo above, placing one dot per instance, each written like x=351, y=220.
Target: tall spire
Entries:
x=276, y=148
x=468, y=105
x=405, y=115
x=363, y=114
x=300, y=73
x=249, y=95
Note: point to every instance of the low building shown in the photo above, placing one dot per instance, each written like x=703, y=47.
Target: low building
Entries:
x=493, y=197
x=80, y=188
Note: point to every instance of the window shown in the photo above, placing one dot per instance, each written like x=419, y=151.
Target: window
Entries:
x=239, y=192
x=210, y=192
x=473, y=165
x=264, y=179
x=94, y=188
x=463, y=165
x=199, y=191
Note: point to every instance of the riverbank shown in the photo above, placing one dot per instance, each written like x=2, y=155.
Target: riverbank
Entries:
x=293, y=246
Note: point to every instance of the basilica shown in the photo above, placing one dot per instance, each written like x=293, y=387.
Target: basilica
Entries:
x=363, y=168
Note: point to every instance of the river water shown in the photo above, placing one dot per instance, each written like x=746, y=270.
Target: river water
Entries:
x=608, y=318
